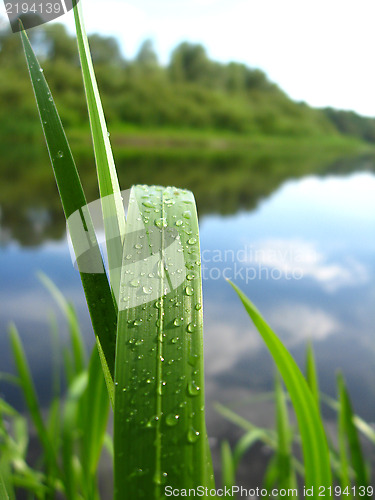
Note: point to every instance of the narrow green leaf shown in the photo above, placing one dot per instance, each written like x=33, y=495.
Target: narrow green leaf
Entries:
x=347, y=427
x=3, y=492
x=103, y=310
x=112, y=206
x=360, y=424
x=227, y=466
x=69, y=429
x=286, y=478
x=311, y=373
x=94, y=410
x=244, y=444
x=70, y=314
x=29, y=392
x=266, y=436
x=159, y=423
x=343, y=453
x=314, y=442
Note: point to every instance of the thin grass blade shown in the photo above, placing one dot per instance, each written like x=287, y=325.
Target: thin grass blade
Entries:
x=159, y=420
x=94, y=409
x=360, y=424
x=312, y=374
x=314, y=441
x=28, y=389
x=227, y=466
x=344, y=473
x=349, y=430
x=70, y=314
x=103, y=310
x=284, y=454
x=112, y=205
x=3, y=491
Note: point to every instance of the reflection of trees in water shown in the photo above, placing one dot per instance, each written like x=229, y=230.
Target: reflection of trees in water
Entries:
x=222, y=183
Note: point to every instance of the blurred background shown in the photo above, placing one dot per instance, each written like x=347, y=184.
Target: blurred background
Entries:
x=263, y=110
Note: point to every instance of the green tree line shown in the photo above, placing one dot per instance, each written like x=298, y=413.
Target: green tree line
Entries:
x=191, y=91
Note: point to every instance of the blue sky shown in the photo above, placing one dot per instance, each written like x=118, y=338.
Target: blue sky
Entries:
x=320, y=51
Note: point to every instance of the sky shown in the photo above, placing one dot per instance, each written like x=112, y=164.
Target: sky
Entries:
x=321, y=52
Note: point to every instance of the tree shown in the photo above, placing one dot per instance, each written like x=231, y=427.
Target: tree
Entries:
x=189, y=62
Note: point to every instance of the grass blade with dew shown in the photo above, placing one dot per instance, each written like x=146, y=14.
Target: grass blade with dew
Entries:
x=314, y=441
x=102, y=308
x=349, y=429
x=112, y=205
x=159, y=426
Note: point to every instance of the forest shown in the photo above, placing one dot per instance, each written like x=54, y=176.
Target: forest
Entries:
x=140, y=95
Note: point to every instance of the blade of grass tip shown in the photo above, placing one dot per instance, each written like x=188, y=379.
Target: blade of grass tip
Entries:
x=112, y=205
x=103, y=310
x=227, y=466
x=349, y=428
x=360, y=424
x=284, y=449
x=70, y=315
x=267, y=436
x=311, y=373
x=3, y=491
x=159, y=421
x=314, y=441
x=244, y=444
x=31, y=398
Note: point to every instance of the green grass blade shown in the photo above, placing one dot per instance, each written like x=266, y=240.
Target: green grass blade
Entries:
x=349, y=429
x=3, y=492
x=312, y=374
x=314, y=442
x=244, y=444
x=343, y=453
x=360, y=424
x=227, y=466
x=159, y=423
x=94, y=416
x=69, y=313
x=69, y=430
x=112, y=206
x=284, y=434
x=31, y=398
x=268, y=437
x=103, y=310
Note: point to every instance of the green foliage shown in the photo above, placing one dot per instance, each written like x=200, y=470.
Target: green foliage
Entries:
x=157, y=444
x=350, y=470
x=314, y=442
x=191, y=91
x=72, y=434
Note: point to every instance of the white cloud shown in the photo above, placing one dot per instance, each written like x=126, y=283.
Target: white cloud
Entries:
x=302, y=322
x=300, y=259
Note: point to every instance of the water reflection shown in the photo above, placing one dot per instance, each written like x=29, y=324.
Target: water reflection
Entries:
x=223, y=183
x=304, y=256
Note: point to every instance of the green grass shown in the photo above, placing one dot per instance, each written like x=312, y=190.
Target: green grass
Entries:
x=148, y=322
